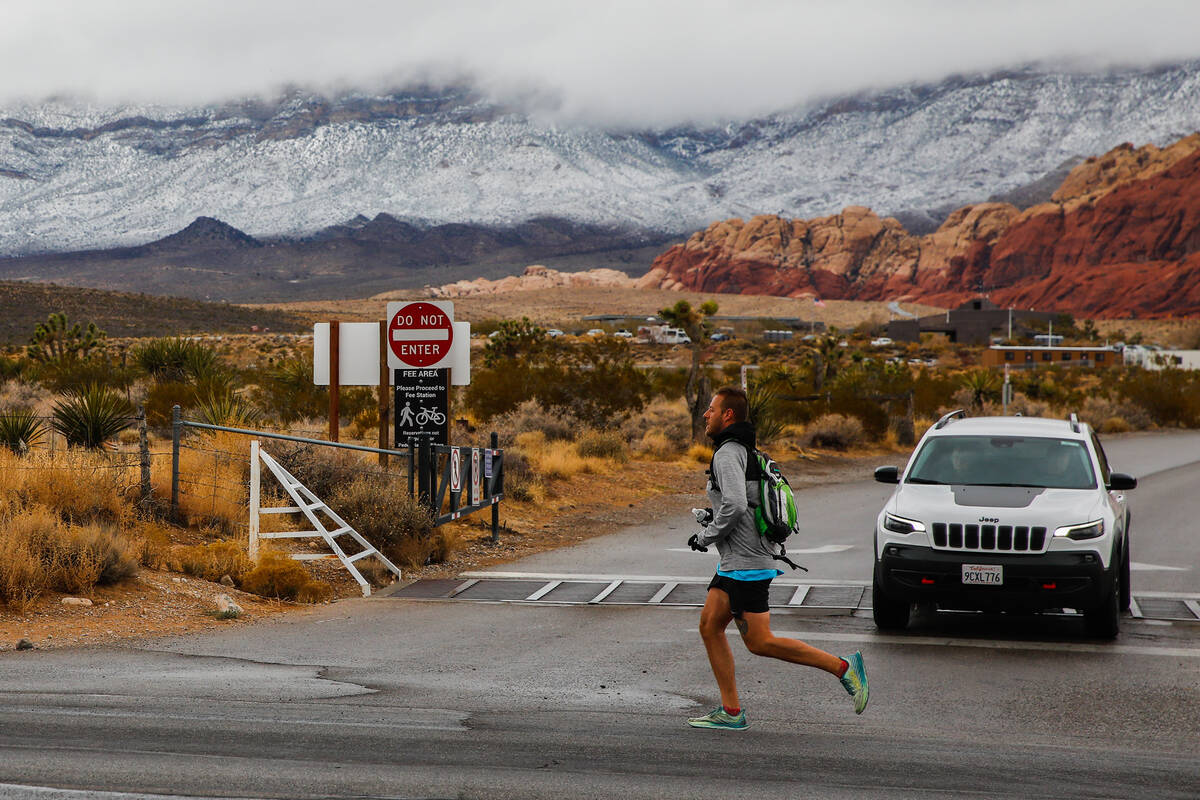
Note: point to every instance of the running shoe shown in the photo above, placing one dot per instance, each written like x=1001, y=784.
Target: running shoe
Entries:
x=718, y=718
x=855, y=681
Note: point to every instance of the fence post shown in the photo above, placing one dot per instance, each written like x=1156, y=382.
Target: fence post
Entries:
x=143, y=455
x=385, y=374
x=176, y=432
x=495, y=444
x=255, y=483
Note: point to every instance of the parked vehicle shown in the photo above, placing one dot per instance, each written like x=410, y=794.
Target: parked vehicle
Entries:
x=663, y=334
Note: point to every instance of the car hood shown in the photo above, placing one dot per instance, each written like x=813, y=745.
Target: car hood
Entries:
x=1001, y=505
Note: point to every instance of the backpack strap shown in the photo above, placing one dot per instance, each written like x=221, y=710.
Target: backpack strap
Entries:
x=783, y=557
x=750, y=459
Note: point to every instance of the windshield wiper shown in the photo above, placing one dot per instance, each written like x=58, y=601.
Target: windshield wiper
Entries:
x=925, y=480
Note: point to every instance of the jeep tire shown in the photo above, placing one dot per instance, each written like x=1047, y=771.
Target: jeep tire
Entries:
x=1104, y=621
x=889, y=614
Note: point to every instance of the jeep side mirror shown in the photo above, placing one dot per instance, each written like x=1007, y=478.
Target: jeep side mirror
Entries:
x=889, y=474
x=1119, y=481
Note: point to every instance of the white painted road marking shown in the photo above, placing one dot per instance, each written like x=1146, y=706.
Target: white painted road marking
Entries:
x=1140, y=567
x=991, y=644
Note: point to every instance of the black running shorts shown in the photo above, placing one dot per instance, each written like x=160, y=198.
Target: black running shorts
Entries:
x=744, y=596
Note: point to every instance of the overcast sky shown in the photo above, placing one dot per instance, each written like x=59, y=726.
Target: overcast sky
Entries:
x=640, y=63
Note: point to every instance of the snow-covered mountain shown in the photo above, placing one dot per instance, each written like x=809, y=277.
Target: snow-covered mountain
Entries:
x=75, y=176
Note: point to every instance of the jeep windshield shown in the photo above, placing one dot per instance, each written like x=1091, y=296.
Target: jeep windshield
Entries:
x=1004, y=461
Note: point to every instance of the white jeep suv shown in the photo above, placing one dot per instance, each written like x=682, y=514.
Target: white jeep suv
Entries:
x=1004, y=513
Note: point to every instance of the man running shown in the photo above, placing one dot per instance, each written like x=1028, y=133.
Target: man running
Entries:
x=739, y=590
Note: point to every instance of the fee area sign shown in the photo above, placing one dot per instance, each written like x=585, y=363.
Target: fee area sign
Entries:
x=421, y=406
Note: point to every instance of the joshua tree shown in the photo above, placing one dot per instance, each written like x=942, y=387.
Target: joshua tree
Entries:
x=694, y=322
x=56, y=342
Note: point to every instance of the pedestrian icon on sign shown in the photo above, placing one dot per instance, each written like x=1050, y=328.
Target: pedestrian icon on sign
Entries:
x=406, y=415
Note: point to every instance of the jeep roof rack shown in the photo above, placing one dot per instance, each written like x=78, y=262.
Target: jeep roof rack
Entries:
x=1074, y=420
x=944, y=421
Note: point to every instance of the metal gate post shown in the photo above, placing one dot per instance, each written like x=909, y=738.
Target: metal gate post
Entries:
x=495, y=444
x=425, y=475
x=176, y=432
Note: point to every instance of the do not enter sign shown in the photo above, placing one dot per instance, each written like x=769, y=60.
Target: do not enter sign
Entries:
x=420, y=334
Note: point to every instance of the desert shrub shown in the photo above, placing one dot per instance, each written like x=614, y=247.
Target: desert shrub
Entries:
x=325, y=471
x=41, y=552
x=520, y=482
x=700, y=453
x=1097, y=410
x=156, y=546
x=214, y=560
x=559, y=460
x=287, y=391
x=161, y=398
x=101, y=554
x=658, y=445
x=225, y=406
x=1114, y=425
x=176, y=360
x=602, y=444
x=669, y=419
x=91, y=417
x=531, y=416
x=1028, y=407
x=20, y=429
x=277, y=575
x=597, y=380
x=834, y=431
x=386, y=515
x=765, y=410
x=77, y=485
x=22, y=578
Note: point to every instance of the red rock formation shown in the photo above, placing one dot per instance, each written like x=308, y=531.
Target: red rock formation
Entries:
x=1120, y=236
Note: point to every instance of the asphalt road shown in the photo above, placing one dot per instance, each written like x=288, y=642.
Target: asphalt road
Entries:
x=400, y=698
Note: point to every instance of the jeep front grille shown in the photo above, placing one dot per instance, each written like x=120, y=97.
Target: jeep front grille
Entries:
x=989, y=538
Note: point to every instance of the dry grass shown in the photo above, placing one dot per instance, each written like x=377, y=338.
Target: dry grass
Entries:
x=700, y=453
x=277, y=575
x=41, y=552
x=214, y=474
x=834, y=431
x=80, y=485
x=214, y=561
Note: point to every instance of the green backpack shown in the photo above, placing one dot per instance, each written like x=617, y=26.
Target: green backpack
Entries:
x=775, y=515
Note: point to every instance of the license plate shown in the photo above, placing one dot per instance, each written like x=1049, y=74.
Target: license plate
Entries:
x=983, y=574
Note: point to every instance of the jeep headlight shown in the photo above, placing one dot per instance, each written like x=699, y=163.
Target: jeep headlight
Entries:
x=1088, y=530
x=901, y=525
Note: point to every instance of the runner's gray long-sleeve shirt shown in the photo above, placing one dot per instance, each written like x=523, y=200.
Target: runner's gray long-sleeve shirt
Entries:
x=733, y=499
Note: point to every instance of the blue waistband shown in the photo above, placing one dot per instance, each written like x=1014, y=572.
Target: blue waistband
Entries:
x=750, y=574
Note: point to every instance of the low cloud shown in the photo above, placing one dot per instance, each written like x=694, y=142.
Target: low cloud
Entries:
x=618, y=63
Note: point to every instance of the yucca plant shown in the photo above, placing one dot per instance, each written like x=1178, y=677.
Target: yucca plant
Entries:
x=176, y=360
x=92, y=416
x=20, y=429
x=223, y=406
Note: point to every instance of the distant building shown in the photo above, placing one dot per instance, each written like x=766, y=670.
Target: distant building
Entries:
x=974, y=322
x=1157, y=358
x=1032, y=357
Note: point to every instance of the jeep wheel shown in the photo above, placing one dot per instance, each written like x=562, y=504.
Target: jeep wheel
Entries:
x=889, y=614
x=1104, y=621
x=1126, y=589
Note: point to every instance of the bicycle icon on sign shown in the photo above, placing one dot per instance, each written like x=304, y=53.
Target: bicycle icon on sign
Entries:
x=426, y=416
x=423, y=417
